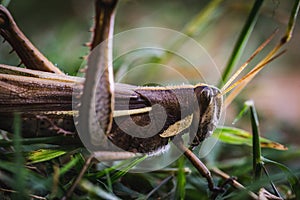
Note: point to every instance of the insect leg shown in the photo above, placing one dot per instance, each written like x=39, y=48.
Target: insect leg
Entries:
x=202, y=169
x=97, y=99
x=29, y=55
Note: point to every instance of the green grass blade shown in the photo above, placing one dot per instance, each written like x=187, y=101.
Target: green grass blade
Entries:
x=42, y=140
x=43, y=155
x=5, y=2
x=120, y=166
x=256, y=148
x=68, y=166
x=292, y=179
x=96, y=191
x=292, y=20
x=241, y=114
x=181, y=179
x=242, y=40
x=236, y=136
x=109, y=182
x=199, y=22
x=271, y=182
x=124, y=170
x=20, y=171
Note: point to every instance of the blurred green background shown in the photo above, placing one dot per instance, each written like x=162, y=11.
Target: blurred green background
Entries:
x=60, y=28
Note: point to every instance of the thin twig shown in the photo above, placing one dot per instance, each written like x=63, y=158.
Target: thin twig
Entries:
x=31, y=195
x=158, y=186
x=79, y=177
x=234, y=183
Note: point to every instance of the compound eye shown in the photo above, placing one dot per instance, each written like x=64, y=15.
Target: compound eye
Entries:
x=205, y=93
x=206, y=96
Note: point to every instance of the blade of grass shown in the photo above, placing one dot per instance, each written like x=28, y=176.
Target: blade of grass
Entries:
x=20, y=171
x=241, y=114
x=43, y=155
x=125, y=169
x=109, y=182
x=5, y=2
x=181, y=179
x=256, y=148
x=37, y=181
x=158, y=186
x=200, y=21
x=74, y=161
x=292, y=179
x=59, y=139
x=97, y=191
x=257, y=185
x=232, y=135
x=242, y=40
x=271, y=182
x=79, y=177
x=269, y=57
x=292, y=21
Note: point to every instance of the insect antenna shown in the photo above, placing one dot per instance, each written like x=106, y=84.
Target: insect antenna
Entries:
x=241, y=83
x=237, y=73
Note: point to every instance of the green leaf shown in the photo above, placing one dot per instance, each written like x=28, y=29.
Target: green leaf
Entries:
x=237, y=136
x=126, y=168
x=44, y=155
x=68, y=166
x=97, y=191
x=181, y=179
x=242, y=40
x=20, y=172
x=292, y=179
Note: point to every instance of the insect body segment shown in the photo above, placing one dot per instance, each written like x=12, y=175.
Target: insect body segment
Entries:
x=174, y=112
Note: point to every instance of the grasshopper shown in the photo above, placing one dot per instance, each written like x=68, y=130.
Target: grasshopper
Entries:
x=105, y=110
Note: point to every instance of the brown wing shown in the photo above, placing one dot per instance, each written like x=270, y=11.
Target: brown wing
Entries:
x=25, y=90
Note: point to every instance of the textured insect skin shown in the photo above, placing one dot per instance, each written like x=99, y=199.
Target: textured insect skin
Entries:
x=202, y=101
x=197, y=107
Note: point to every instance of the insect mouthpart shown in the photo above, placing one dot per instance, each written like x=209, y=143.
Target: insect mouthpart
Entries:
x=208, y=115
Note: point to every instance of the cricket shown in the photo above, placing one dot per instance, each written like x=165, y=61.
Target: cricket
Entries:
x=115, y=121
